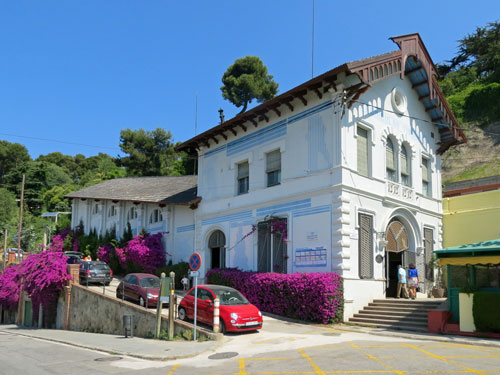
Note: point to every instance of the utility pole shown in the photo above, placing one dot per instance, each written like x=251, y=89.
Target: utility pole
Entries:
x=4, y=248
x=20, y=221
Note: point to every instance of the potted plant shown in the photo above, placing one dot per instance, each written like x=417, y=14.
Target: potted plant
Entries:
x=438, y=290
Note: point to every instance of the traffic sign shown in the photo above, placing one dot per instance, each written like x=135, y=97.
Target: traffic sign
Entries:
x=194, y=273
x=195, y=262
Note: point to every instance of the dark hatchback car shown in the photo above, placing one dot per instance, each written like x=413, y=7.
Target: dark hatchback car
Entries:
x=142, y=288
x=95, y=272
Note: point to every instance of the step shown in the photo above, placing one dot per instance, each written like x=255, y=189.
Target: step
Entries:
x=410, y=314
x=407, y=300
x=392, y=327
x=389, y=323
x=405, y=304
x=401, y=310
x=410, y=319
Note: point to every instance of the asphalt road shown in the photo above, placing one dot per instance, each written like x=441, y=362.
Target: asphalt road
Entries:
x=307, y=350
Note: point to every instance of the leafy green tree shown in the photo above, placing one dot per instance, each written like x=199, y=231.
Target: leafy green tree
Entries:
x=247, y=79
x=151, y=153
x=66, y=162
x=480, y=50
x=105, y=169
x=53, y=199
x=8, y=210
x=12, y=155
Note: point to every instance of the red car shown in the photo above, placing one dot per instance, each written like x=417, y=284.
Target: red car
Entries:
x=236, y=313
x=142, y=288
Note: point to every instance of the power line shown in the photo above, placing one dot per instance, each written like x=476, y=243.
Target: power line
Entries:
x=58, y=141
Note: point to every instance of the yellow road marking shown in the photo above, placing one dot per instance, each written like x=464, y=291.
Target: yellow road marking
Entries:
x=174, y=367
x=241, y=366
x=317, y=370
x=269, y=359
x=274, y=339
x=432, y=355
x=377, y=359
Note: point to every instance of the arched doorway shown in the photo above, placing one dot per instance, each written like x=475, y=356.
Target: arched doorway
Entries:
x=396, y=249
x=217, y=246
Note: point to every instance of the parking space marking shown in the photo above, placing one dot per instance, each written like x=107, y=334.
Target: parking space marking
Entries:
x=317, y=370
x=174, y=367
x=432, y=355
x=376, y=359
x=291, y=339
x=241, y=366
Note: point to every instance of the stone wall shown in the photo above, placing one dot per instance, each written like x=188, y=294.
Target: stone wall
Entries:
x=90, y=311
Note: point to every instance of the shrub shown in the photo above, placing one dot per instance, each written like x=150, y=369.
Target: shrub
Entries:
x=180, y=269
x=485, y=308
x=9, y=287
x=316, y=297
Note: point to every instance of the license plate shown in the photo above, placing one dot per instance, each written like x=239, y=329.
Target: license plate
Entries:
x=252, y=323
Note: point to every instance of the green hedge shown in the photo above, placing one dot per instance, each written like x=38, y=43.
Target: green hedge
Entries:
x=486, y=306
x=180, y=269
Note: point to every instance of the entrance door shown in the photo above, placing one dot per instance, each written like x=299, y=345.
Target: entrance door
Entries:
x=396, y=253
x=216, y=244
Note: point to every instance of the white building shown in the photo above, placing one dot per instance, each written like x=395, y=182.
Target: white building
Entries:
x=155, y=204
x=349, y=160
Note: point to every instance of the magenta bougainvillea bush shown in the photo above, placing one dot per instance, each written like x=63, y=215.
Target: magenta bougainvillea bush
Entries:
x=316, y=297
x=9, y=287
x=143, y=252
x=42, y=276
x=57, y=241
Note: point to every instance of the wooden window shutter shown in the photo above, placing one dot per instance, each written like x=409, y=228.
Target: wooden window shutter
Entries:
x=389, y=155
x=404, y=161
x=365, y=246
x=273, y=161
x=243, y=170
x=362, y=151
x=428, y=251
x=425, y=170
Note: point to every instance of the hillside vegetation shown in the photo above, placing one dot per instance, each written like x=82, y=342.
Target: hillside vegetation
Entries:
x=471, y=84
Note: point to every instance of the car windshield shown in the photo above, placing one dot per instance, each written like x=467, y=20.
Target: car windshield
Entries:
x=99, y=267
x=229, y=297
x=150, y=282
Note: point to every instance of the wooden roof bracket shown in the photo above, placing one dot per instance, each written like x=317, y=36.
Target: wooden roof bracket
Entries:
x=252, y=120
x=288, y=103
x=300, y=95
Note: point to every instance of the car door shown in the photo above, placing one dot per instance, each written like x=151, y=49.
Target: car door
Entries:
x=189, y=303
x=83, y=272
x=205, y=302
x=131, y=288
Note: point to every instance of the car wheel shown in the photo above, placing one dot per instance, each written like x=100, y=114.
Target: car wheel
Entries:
x=222, y=327
x=142, y=302
x=118, y=295
x=181, y=314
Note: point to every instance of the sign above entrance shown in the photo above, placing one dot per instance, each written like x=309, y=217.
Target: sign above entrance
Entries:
x=195, y=262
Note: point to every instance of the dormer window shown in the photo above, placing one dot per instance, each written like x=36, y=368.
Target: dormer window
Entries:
x=155, y=217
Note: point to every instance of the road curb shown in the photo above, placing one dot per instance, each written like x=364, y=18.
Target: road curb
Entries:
x=218, y=343
x=423, y=336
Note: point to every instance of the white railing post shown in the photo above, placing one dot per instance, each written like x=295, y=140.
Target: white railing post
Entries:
x=216, y=316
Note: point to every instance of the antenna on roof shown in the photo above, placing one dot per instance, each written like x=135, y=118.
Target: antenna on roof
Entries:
x=312, y=44
x=196, y=114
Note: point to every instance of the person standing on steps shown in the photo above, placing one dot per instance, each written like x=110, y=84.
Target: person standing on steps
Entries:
x=413, y=280
x=402, y=282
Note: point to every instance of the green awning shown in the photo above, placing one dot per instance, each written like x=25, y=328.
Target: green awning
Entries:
x=485, y=248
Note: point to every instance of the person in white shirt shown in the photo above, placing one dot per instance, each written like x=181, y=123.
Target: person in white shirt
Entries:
x=185, y=283
x=402, y=282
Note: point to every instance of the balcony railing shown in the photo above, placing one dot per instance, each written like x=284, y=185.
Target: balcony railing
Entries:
x=399, y=191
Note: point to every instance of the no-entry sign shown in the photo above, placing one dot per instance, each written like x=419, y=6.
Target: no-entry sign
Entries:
x=195, y=262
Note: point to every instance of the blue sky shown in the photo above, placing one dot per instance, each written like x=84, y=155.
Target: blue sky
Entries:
x=79, y=71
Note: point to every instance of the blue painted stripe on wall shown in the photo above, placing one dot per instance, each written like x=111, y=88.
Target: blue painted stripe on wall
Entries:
x=232, y=217
x=284, y=207
x=273, y=131
x=242, y=223
x=185, y=228
x=311, y=211
x=214, y=151
x=311, y=111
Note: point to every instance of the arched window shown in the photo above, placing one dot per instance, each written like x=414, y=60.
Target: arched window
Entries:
x=405, y=167
x=112, y=211
x=389, y=161
x=155, y=217
x=132, y=214
x=217, y=246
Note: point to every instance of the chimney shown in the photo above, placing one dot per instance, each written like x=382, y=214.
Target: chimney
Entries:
x=221, y=115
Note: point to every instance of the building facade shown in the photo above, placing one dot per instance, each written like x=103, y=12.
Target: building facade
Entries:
x=340, y=174
x=154, y=204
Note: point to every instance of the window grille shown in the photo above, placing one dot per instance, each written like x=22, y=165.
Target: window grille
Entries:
x=428, y=251
x=425, y=177
x=405, y=167
x=365, y=246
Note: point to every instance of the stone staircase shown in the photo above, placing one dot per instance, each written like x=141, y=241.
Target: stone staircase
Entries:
x=392, y=313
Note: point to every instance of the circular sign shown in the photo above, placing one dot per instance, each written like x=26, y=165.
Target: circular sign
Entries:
x=195, y=262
